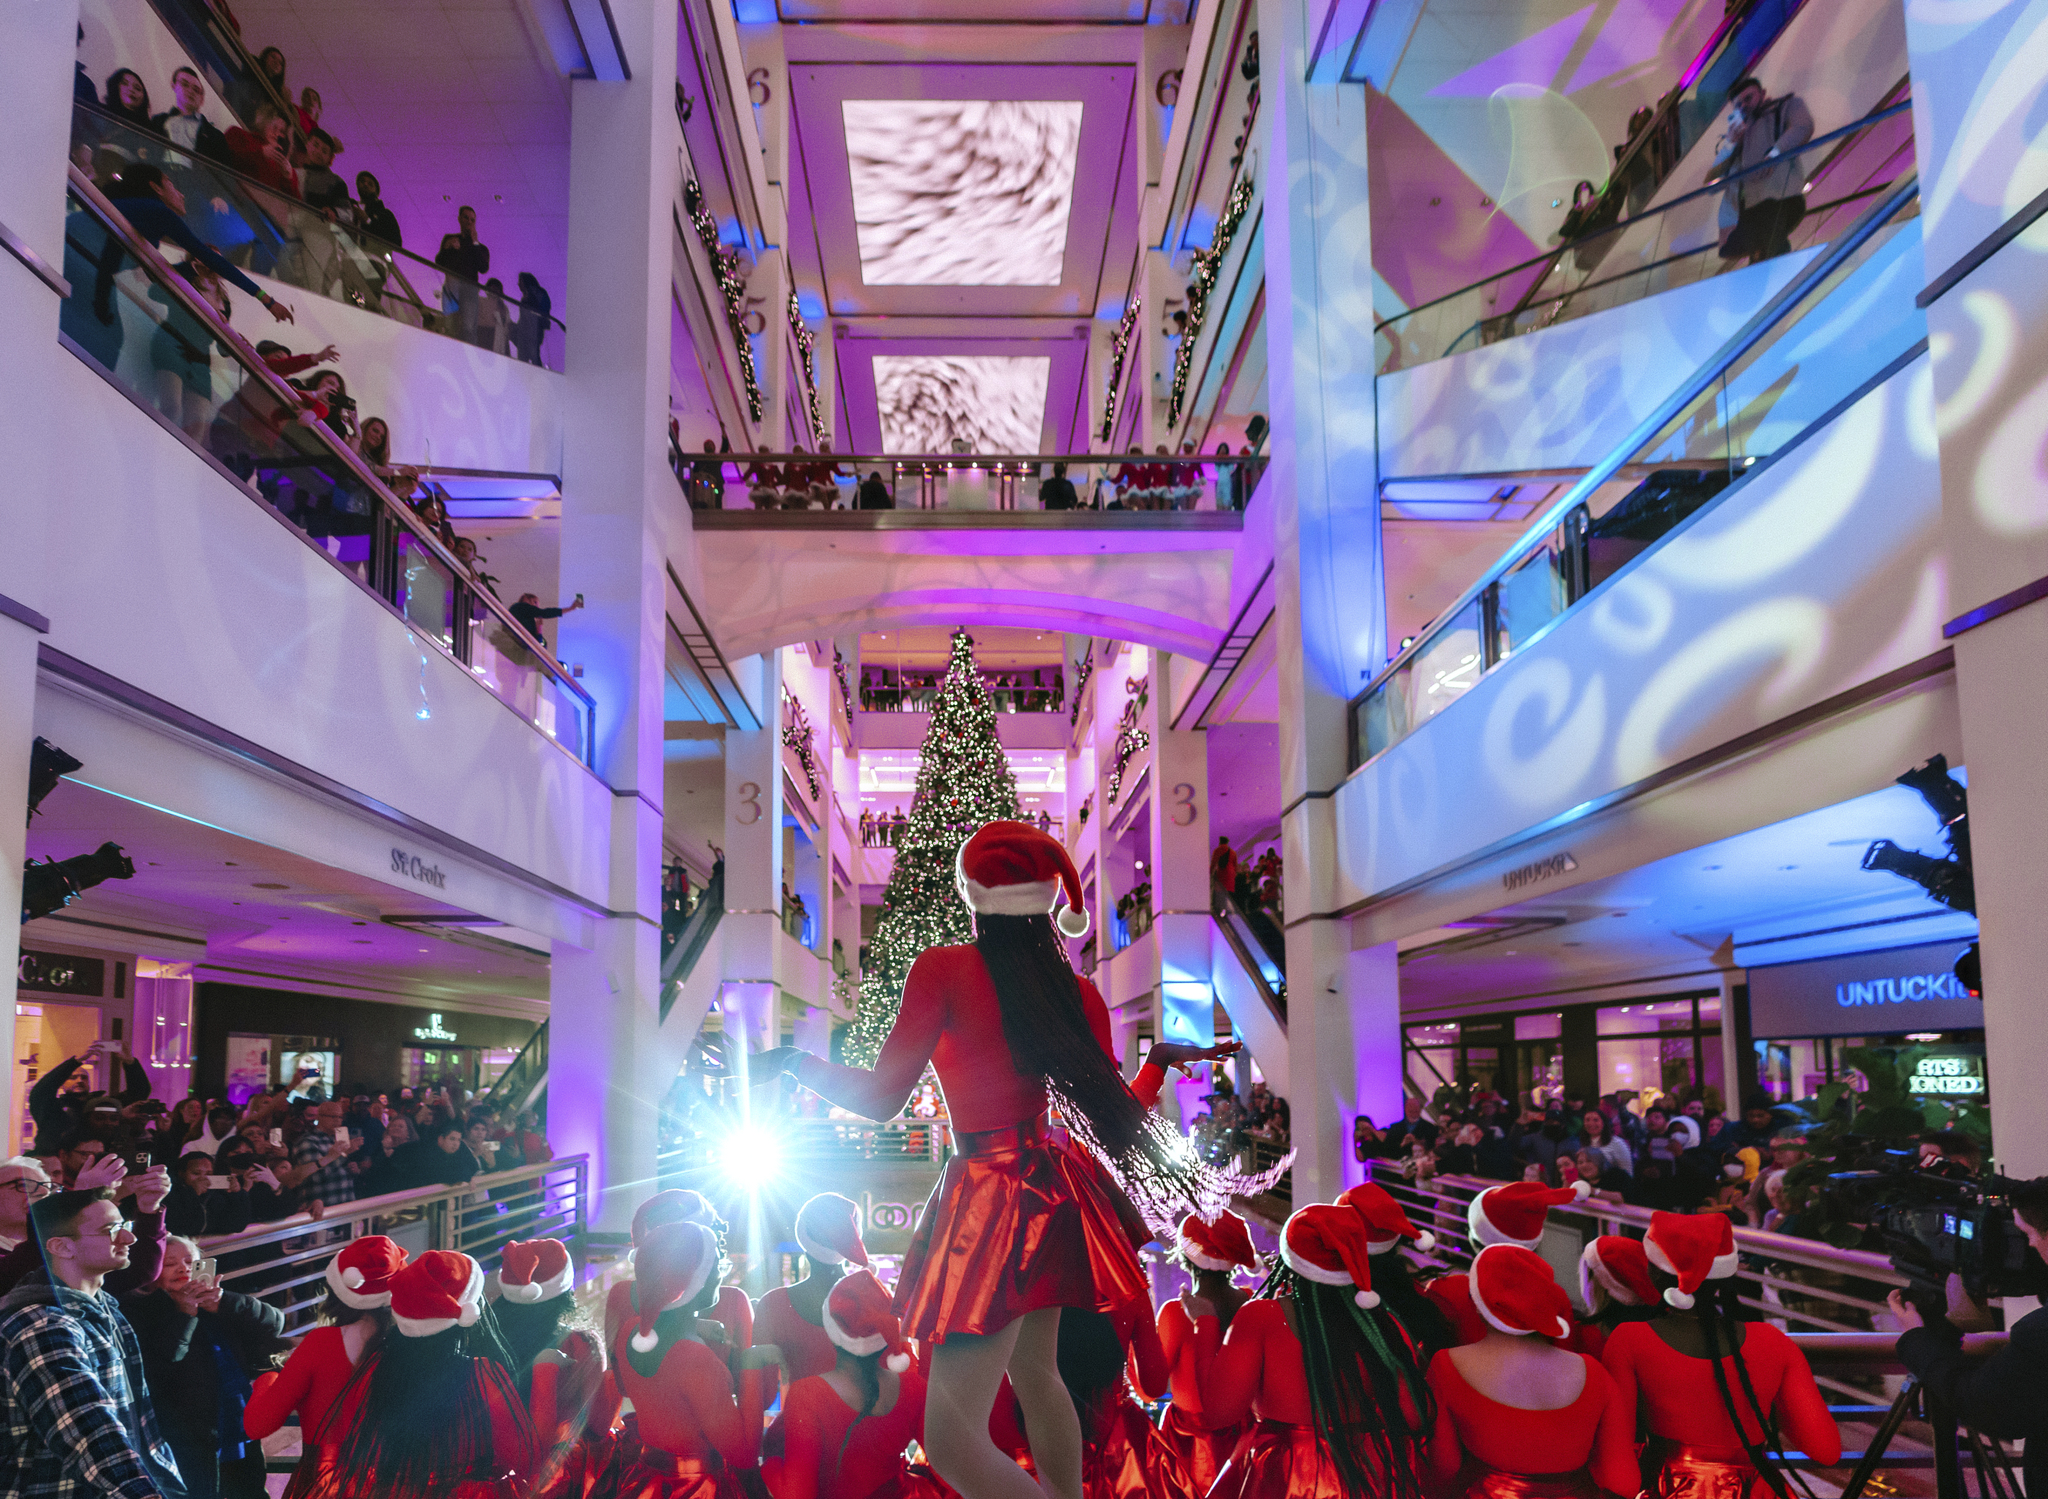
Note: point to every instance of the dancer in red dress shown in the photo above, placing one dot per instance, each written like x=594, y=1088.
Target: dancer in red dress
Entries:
x=1719, y=1395
x=1512, y=1214
x=1614, y=1282
x=352, y=1320
x=843, y=1432
x=1211, y=1252
x=732, y=1310
x=1393, y=1281
x=438, y=1416
x=1021, y=1224
x=1515, y=1417
x=558, y=1367
x=793, y=1317
x=1341, y=1403
x=699, y=1419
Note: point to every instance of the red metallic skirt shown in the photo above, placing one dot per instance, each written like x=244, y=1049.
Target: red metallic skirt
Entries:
x=1279, y=1461
x=1477, y=1481
x=1018, y=1222
x=1685, y=1472
x=1132, y=1461
x=1203, y=1453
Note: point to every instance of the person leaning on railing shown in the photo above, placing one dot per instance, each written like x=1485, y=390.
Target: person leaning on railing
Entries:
x=2006, y=1395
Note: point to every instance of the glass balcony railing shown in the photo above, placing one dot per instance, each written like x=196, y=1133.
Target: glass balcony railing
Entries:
x=800, y=481
x=156, y=333
x=1672, y=245
x=267, y=232
x=1779, y=377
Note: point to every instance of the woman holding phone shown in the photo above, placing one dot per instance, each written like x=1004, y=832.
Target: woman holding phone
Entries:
x=198, y=1345
x=204, y=1202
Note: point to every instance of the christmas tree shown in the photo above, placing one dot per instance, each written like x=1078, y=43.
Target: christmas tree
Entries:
x=963, y=781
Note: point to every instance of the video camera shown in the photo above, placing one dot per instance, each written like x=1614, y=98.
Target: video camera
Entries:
x=1936, y=1221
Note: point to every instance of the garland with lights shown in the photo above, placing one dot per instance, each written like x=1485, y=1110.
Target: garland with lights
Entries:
x=796, y=735
x=963, y=781
x=804, y=343
x=1130, y=742
x=1119, y=341
x=845, y=686
x=1081, y=675
x=1207, y=267
x=732, y=287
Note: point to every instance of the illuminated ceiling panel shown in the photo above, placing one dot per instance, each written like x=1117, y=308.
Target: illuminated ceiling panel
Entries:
x=961, y=192
x=992, y=403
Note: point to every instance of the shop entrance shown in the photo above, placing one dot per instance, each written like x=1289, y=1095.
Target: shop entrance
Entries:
x=472, y=1068
x=45, y=1033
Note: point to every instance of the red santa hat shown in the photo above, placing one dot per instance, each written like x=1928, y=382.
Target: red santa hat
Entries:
x=828, y=1230
x=439, y=1290
x=1620, y=1268
x=860, y=1319
x=533, y=1270
x=1013, y=869
x=1514, y=1214
x=1515, y=1290
x=677, y=1205
x=361, y=1274
x=670, y=1269
x=1695, y=1247
x=1387, y=1224
x=1222, y=1245
x=1330, y=1245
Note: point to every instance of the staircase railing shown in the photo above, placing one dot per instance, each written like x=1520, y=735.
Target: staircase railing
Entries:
x=681, y=960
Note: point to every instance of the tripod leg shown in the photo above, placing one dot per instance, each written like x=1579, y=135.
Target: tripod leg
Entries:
x=1948, y=1469
x=1879, y=1441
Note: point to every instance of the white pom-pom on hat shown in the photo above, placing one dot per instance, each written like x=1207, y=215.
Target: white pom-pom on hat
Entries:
x=1367, y=1299
x=897, y=1362
x=1675, y=1297
x=1425, y=1241
x=1582, y=1189
x=646, y=1342
x=1072, y=921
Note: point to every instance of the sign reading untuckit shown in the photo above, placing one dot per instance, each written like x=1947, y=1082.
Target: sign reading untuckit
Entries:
x=1864, y=994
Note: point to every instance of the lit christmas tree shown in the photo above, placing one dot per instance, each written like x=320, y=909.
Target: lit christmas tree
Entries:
x=963, y=781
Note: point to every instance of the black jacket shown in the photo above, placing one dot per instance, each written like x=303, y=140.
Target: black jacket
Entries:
x=2003, y=1396
x=1058, y=494
x=194, y=1214
x=199, y=1368
x=209, y=142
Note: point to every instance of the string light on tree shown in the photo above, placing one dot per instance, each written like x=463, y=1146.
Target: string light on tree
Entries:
x=963, y=781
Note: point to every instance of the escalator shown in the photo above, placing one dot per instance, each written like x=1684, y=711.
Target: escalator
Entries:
x=1260, y=948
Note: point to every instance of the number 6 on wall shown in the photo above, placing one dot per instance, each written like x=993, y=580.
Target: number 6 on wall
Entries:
x=1184, y=801
x=750, y=805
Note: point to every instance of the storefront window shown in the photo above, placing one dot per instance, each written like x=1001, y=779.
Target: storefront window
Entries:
x=1660, y=1015
x=1661, y=1047
x=1540, y=1027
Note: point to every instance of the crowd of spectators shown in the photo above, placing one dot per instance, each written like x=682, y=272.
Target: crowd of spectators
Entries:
x=1677, y=1152
x=893, y=690
x=1232, y=1125
x=1254, y=883
x=271, y=176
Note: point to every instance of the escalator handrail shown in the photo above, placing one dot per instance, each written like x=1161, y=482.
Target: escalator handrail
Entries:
x=693, y=938
x=1718, y=185
x=1688, y=390
x=111, y=219
x=1276, y=1004
x=515, y=1077
x=1228, y=900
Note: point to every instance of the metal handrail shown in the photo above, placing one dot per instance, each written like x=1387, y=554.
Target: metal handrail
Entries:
x=548, y=1200
x=274, y=384
x=1688, y=390
x=1619, y=226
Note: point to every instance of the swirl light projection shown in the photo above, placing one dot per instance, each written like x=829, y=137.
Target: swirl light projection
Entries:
x=961, y=192
x=993, y=403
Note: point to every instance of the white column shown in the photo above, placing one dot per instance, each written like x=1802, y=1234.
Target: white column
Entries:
x=17, y=734
x=1323, y=483
x=752, y=926
x=610, y=1063
x=1977, y=89
x=1180, y=872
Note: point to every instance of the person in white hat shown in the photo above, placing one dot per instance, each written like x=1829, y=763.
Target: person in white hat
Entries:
x=793, y=1317
x=1513, y=1411
x=437, y=1411
x=1021, y=1224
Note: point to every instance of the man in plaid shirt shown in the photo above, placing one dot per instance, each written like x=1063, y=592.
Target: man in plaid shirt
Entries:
x=75, y=1416
x=319, y=1172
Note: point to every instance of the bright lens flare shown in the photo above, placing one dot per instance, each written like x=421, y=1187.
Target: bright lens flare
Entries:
x=752, y=1155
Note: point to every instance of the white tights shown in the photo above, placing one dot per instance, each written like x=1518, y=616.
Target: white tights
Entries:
x=966, y=1374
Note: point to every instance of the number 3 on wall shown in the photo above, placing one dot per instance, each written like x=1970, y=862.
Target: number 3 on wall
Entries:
x=750, y=804
x=1184, y=802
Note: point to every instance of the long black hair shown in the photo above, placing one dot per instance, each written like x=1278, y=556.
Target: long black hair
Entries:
x=1719, y=1308
x=1048, y=1033
x=867, y=1373
x=1426, y=1325
x=1373, y=1408
x=529, y=1329
x=425, y=1424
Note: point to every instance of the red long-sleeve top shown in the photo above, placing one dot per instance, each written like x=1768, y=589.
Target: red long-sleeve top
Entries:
x=1146, y=1363
x=310, y=1382
x=814, y=1422
x=565, y=1384
x=1596, y=1430
x=1256, y=1367
x=1181, y=1349
x=805, y=1348
x=950, y=1020
x=689, y=1406
x=1681, y=1402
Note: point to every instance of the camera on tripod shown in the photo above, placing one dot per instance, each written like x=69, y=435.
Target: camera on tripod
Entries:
x=1936, y=1221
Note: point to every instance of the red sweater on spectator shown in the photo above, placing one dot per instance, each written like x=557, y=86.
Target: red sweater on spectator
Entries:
x=805, y=1348
x=813, y=1426
x=251, y=155
x=1597, y=1430
x=1681, y=1402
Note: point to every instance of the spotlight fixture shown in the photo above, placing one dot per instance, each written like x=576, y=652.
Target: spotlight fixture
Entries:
x=47, y=765
x=55, y=883
x=1950, y=880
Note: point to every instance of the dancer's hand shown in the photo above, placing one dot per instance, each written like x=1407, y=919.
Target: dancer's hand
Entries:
x=1166, y=1054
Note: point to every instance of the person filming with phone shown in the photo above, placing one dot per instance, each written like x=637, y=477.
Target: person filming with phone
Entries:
x=204, y=1201
x=199, y=1344
x=318, y=1177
